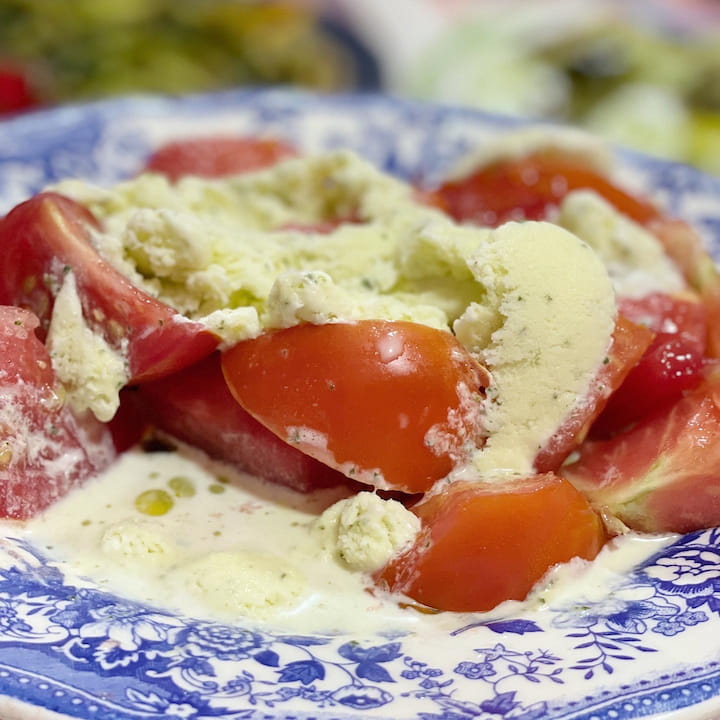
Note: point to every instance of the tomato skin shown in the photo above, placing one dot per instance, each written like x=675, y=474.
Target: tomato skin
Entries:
x=45, y=448
x=48, y=234
x=670, y=366
x=629, y=342
x=527, y=188
x=217, y=156
x=195, y=405
x=662, y=475
x=362, y=397
x=483, y=543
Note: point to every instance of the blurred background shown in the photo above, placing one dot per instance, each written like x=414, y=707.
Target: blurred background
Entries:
x=644, y=73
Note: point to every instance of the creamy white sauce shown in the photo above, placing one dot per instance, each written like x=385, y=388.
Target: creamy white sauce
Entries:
x=214, y=550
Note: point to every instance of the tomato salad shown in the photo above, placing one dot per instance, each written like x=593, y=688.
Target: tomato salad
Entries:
x=320, y=404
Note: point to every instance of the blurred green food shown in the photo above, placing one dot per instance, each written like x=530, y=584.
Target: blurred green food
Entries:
x=92, y=48
x=638, y=86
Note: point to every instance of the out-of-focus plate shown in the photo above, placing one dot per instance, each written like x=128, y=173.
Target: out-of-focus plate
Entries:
x=647, y=649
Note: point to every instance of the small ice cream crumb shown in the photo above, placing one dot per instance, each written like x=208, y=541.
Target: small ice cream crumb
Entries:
x=242, y=583
x=138, y=540
x=363, y=532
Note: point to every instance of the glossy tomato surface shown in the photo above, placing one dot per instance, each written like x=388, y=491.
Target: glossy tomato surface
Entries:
x=485, y=542
x=45, y=448
x=686, y=248
x=671, y=365
x=393, y=404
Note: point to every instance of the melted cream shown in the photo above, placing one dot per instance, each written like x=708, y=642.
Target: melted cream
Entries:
x=237, y=549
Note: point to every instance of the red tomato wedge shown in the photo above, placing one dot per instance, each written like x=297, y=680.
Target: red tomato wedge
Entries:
x=671, y=365
x=483, y=543
x=393, y=404
x=664, y=473
x=527, y=188
x=629, y=342
x=217, y=156
x=195, y=405
x=43, y=238
x=45, y=448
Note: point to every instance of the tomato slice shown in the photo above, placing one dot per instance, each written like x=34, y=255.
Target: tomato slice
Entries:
x=195, y=405
x=662, y=475
x=483, y=543
x=46, y=236
x=629, y=342
x=671, y=365
x=527, y=188
x=217, y=156
x=393, y=404
x=45, y=448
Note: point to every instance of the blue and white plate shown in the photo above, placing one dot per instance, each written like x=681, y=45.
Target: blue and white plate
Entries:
x=651, y=648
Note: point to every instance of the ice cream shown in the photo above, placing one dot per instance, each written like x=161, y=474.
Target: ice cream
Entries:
x=532, y=301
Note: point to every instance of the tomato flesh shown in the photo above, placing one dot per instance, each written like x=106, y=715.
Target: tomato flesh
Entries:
x=393, y=404
x=671, y=365
x=45, y=448
x=195, y=405
x=43, y=238
x=217, y=156
x=483, y=543
x=528, y=188
x=662, y=475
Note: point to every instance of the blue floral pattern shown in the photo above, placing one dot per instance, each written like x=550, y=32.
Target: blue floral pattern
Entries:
x=65, y=645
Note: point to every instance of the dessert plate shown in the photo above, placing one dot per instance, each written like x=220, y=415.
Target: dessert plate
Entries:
x=644, y=648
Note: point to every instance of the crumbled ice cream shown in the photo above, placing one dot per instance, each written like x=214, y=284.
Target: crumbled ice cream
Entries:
x=240, y=582
x=208, y=246
x=313, y=297
x=134, y=540
x=363, y=532
x=91, y=371
x=634, y=258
